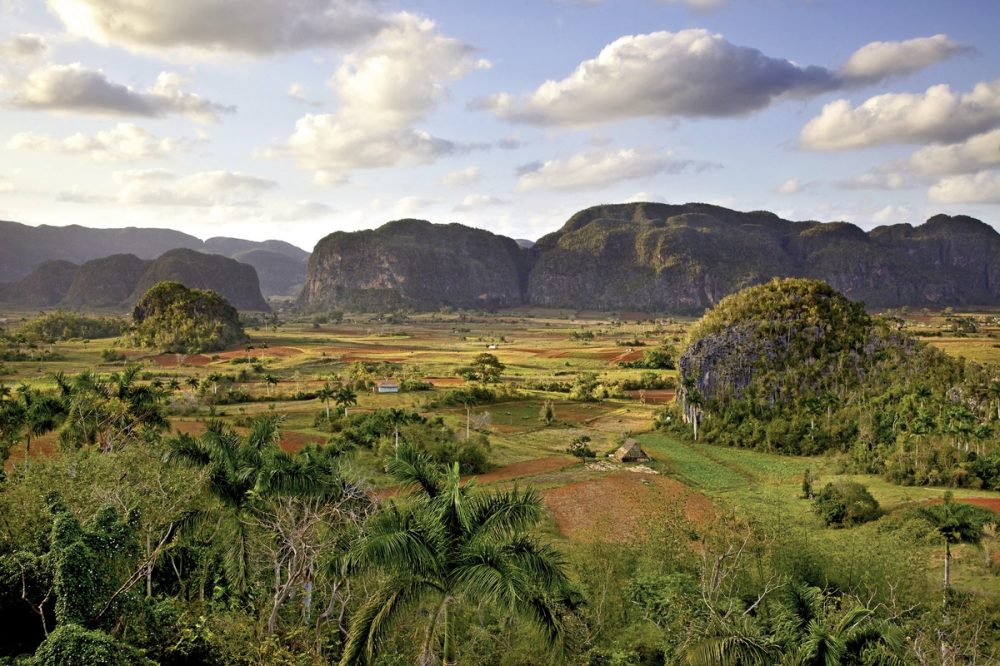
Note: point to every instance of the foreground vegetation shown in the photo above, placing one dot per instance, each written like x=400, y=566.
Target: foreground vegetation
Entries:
x=264, y=504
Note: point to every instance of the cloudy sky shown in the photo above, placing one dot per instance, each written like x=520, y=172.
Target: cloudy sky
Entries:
x=294, y=118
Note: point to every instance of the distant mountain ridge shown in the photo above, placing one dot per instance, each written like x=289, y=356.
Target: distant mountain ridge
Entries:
x=23, y=248
x=653, y=257
x=118, y=281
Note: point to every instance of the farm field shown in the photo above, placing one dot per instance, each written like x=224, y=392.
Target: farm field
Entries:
x=683, y=495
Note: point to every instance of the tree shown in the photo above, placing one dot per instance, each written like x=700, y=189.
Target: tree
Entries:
x=956, y=523
x=324, y=395
x=271, y=382
x=446, y=546
x=345, y=397
x=547, y=413
x=34, y=413
x=487, y=368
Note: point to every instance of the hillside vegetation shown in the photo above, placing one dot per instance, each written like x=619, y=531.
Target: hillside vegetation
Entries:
x=794, y=367
x=172, y=318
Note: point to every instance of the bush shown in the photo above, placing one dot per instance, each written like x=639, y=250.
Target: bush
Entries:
x=845, y=504
x=72, y=645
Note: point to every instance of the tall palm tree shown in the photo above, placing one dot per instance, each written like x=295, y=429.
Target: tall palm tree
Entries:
x=345, y=397
x=448, y=545
x=271, y=381
x=956, y=523
x=324, y=395
x=35, y=414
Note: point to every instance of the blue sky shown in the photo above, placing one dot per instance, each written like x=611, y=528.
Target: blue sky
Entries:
x=294, y=118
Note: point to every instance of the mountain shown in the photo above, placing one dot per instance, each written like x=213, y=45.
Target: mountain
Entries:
x=653, y=257
x=684, y=258
x=105, y=283
x=413, y=263
x=116, y=282
x=43, y=287
x=23, y=248
x=234, y=281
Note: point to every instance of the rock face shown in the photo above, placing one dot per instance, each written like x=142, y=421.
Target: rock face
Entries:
x=413, y=263
x=659, y=257
x=23, y=248
x=235, y=282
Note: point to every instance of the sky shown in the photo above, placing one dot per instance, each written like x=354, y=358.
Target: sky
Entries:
x=292, y=119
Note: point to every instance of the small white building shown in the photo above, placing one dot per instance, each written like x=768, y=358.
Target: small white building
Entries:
x=388, y=386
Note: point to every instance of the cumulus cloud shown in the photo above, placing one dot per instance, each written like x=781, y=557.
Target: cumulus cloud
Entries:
x=599, y=168
x=23, y=47
x=935, y=116
x=476, y=201
x=790, y=186
x=691, y=73
x=881, y=60
x=973, y=154
x=694, y=73
x=302, y=210
x=982, y=188
x=876, y=180
x=157, y=187
x=253, y=27
x=76, y=88
x=409, y=206
x=384, y=90
x=121, y=143
x=464, y=176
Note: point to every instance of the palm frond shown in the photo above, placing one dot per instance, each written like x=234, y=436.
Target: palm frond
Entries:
x=372, y=621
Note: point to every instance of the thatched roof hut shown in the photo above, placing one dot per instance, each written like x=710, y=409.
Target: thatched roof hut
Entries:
x=630, y=451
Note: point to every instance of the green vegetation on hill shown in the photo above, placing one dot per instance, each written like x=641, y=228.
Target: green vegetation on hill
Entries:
x=172, y=318
x=794, y=367
x=69, y=325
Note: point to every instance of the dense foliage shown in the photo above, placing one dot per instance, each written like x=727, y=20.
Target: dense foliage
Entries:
x=794, y=367
x=172, y=318
x=68, y=325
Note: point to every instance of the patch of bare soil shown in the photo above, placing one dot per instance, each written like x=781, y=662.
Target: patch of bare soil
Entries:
x=617, y=507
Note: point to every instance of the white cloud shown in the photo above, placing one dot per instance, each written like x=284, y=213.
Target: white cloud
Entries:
x=599, y=168
x=982, y=187
x=384, y=90
x=937, y=115
x=699, y=5
x=892, y=214
x=880, y=60
x=476, y=201
x=464, y=176
x=790, y=186
x=300, y=93
x=6, y=185
x=876, y=180
x=973, y=154
x=302, y=210
x=644, y=197
x=409, y=206
x=156, y=187
x=253, y=27
x=78, y=89
x=691, y=73
x=23, y=47
x=123, y=142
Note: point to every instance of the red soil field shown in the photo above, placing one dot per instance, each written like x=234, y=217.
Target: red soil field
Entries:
x=615, y=507
x=525, y=468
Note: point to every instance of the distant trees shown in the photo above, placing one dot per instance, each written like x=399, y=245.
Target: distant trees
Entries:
x=67, y=325
x=345, y=396
x=486, y=368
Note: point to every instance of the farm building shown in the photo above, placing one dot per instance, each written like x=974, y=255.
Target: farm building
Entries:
x=630, y=451
x=388, y=386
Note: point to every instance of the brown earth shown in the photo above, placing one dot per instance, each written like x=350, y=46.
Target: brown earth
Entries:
x=655, y=396
x=176, y=360
x=525, y=468
x=621, y=505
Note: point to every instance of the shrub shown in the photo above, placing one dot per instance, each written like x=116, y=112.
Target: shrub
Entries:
x=845, y=504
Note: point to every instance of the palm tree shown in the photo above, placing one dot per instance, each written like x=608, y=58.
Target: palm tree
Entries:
x=325, y=394
x=35, y=414
x=271, y=381
x=174, y=385
x=448, y=546
x=345, y=397
x=956, y=523
x=237, y=467
x=193, y=383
